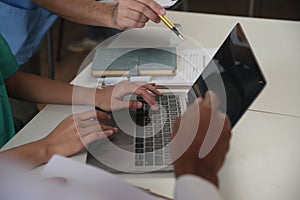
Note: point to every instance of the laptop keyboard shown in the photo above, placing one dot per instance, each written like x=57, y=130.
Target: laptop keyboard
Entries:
x=154, y=132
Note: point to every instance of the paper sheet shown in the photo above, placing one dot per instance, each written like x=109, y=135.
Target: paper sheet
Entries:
x=190, y=64
x=98, y=184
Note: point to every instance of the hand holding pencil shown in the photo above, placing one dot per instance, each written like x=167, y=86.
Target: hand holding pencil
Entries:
x=171, y=26
x=136, y=13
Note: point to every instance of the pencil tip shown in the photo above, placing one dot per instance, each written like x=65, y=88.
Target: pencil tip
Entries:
x=181, y=37
x=178, y=33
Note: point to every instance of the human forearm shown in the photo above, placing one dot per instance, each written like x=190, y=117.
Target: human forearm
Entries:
x=124, y=14
x=89, y=12
x=33, y=88
x=34, y=153
x=37, y=89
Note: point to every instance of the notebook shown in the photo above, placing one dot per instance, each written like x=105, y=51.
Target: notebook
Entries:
x=233, y=74
x=134, y=62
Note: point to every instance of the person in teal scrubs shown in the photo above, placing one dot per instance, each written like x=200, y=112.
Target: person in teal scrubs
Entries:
x=8, y=66
x=77, y=130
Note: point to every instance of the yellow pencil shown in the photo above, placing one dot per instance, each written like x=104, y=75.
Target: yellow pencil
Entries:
x=171, y=26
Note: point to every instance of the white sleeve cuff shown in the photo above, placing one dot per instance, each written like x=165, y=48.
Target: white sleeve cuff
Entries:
x=194, y=187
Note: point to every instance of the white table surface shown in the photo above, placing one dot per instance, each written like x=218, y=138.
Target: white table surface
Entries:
x=264, y=158
x=263, y=161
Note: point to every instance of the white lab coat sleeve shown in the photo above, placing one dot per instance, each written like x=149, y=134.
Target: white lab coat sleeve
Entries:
x=193, y=187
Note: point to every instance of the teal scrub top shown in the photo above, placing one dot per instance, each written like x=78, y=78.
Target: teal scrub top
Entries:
x=8, y=66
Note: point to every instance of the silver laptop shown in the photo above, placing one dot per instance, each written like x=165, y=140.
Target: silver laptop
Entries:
x=142, y=145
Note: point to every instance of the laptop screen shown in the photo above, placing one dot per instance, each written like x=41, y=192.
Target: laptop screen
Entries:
x=233, y=74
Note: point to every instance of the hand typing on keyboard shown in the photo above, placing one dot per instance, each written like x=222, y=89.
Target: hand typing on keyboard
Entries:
x=112, y=97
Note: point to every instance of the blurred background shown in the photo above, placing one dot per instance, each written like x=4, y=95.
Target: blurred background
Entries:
x=276, y=9
x=64, y=34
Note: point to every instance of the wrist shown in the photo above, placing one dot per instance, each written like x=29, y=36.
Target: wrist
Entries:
x=48, y=149
x=211, y=177
x=98, y=98
x=114, y=17
x=84, y=96
x=42, y=152
x=107, y=15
